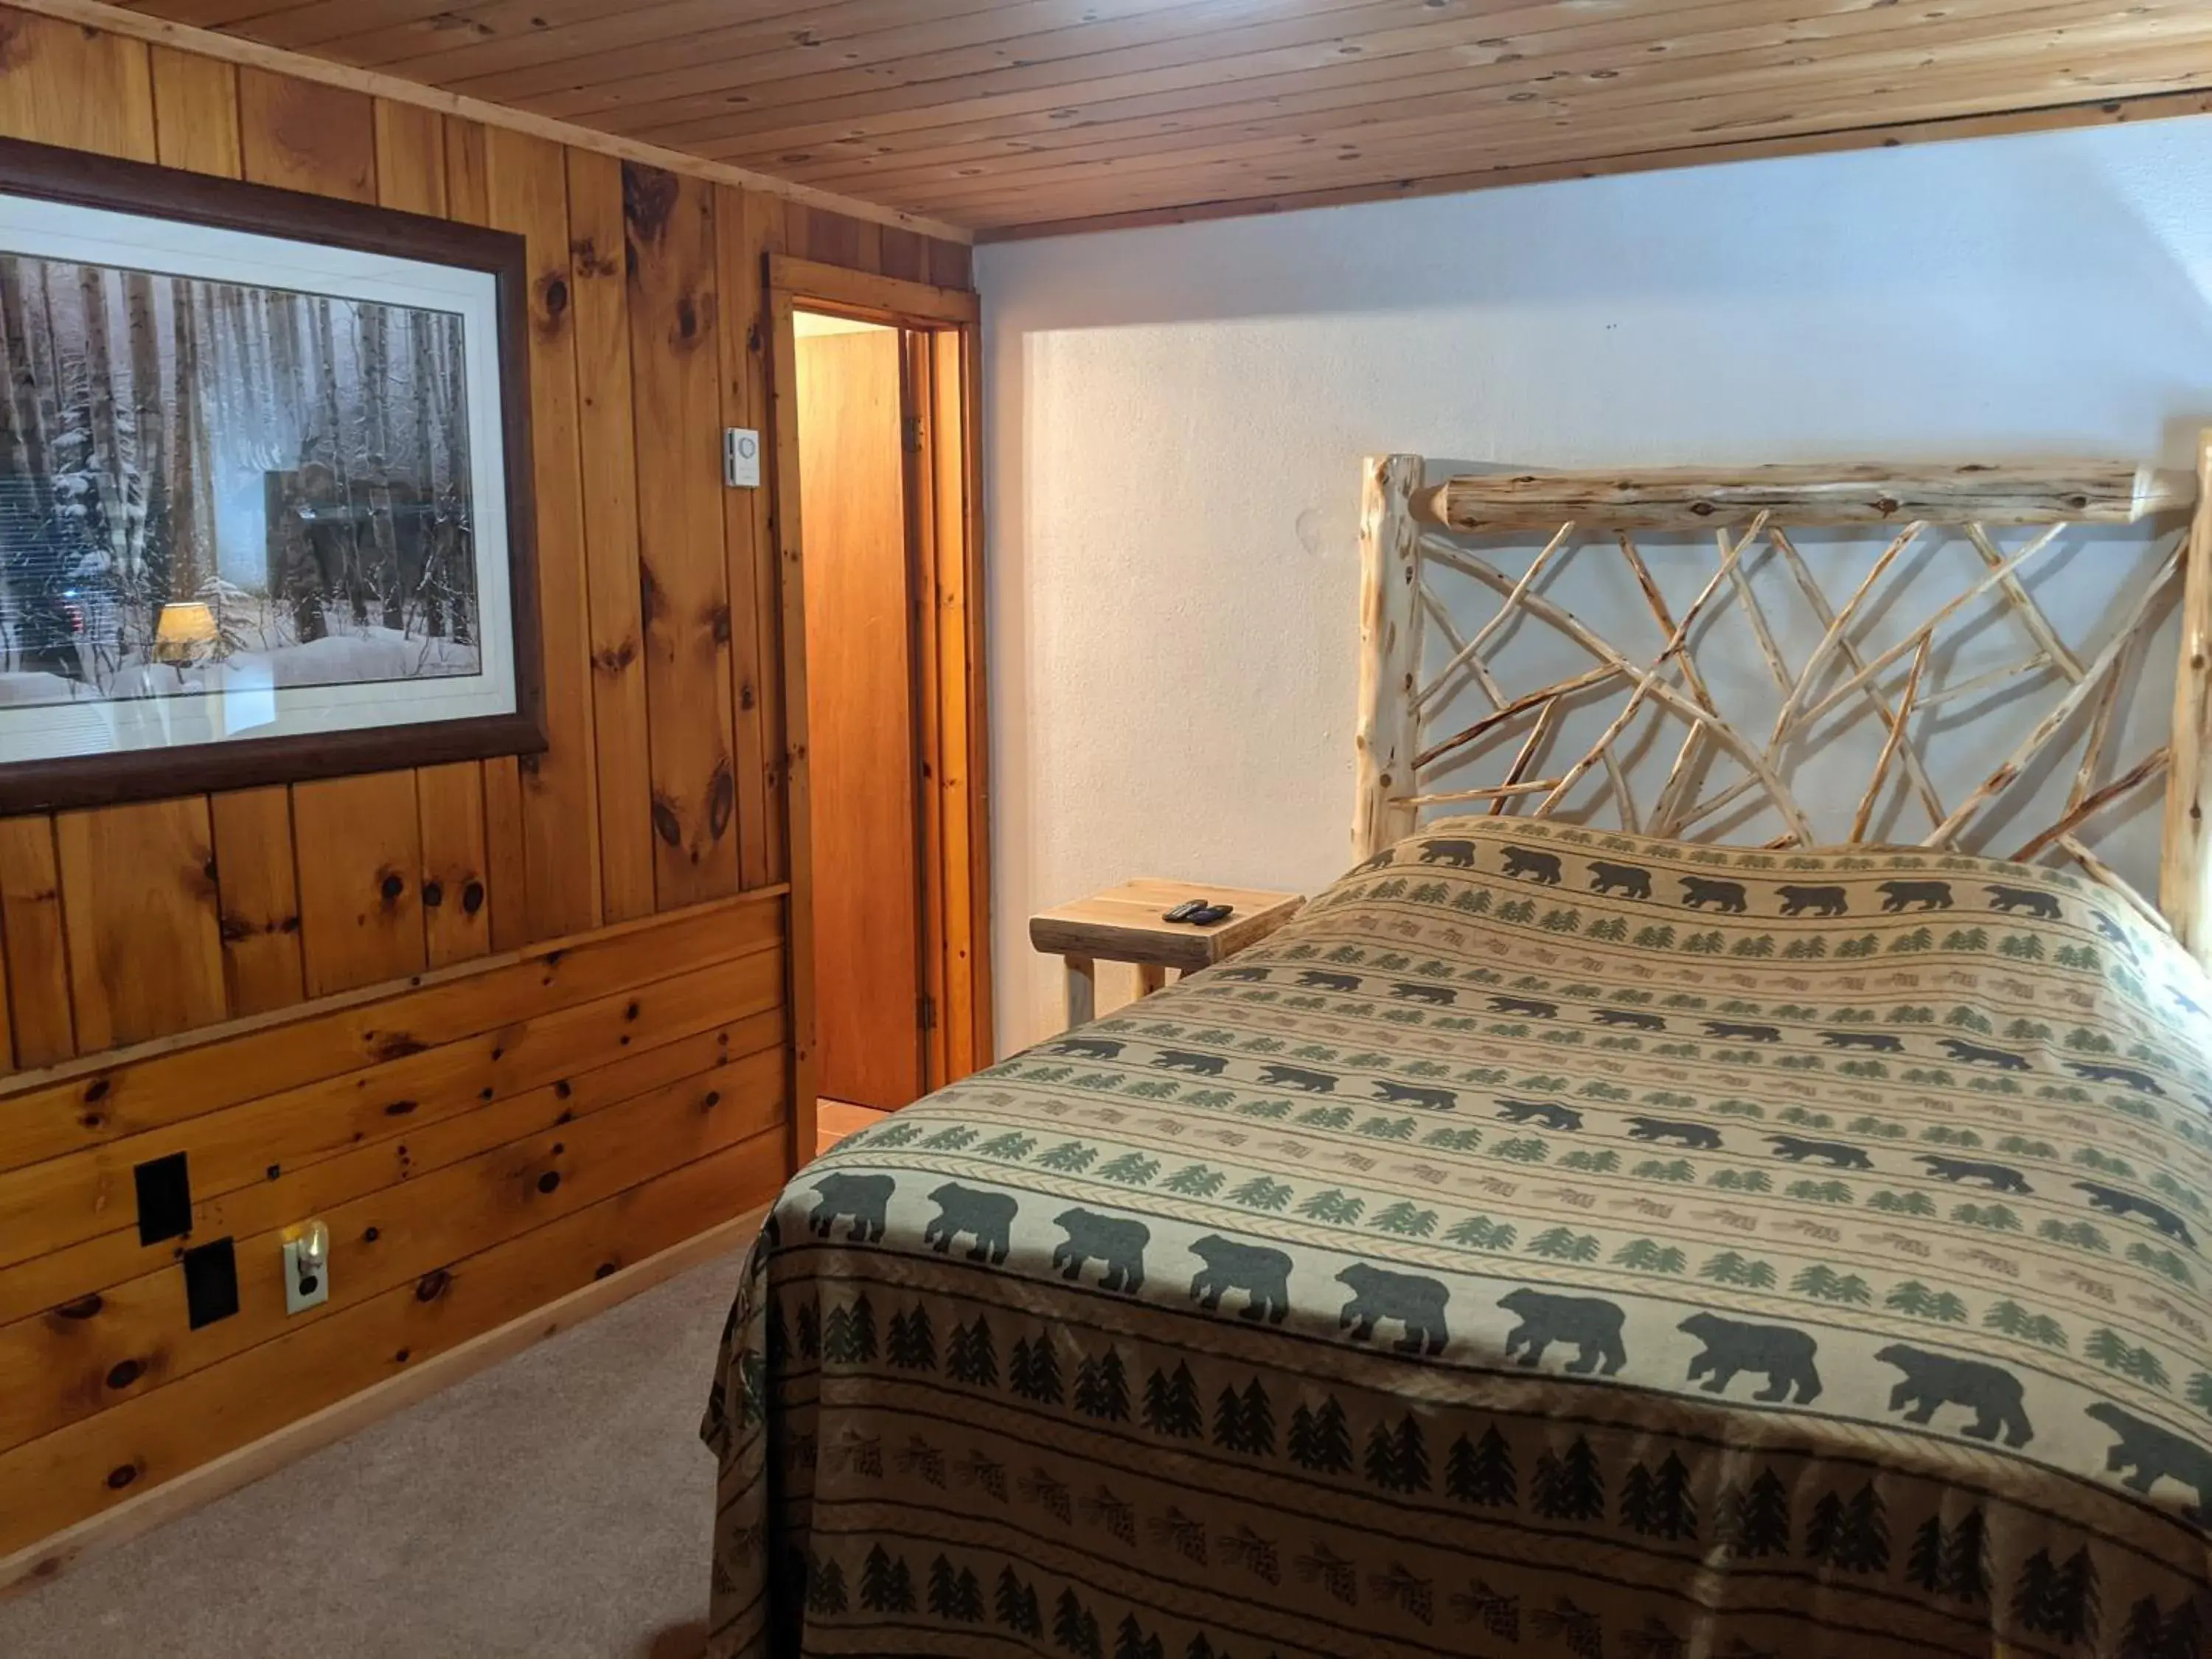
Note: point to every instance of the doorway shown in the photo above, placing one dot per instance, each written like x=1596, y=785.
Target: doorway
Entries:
x=879, y=555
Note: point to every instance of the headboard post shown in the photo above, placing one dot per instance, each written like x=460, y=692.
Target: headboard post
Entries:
x=2185, y=893
x=1390, y=651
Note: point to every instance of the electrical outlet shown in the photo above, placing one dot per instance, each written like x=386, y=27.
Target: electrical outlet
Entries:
x=307, y=1268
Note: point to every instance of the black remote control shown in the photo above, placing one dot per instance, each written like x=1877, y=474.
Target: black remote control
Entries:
x=1211, y=914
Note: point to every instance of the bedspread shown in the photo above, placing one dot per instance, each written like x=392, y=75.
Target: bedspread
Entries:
x=1550, y=1242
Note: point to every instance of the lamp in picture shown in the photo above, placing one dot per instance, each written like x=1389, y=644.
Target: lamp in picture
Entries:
x=185, y=632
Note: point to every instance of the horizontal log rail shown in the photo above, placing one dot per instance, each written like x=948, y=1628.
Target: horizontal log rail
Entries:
x=2054, y=492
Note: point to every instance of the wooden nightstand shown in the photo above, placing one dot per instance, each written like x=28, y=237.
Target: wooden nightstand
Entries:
x=1123, y=925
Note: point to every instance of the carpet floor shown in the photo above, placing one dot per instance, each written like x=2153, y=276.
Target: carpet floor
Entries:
x=557, y=1505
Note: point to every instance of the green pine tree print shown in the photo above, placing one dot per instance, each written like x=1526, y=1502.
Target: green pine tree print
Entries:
x=1320, y=1439
x=1262, y=1193
x=1332, y=1205
x=1481, y=1471
x=1729, y=1267
x=2013, y=1320
x=1649, y=1256
x=1914, y=1298
x=1407, y=1218
x=1565, y=1244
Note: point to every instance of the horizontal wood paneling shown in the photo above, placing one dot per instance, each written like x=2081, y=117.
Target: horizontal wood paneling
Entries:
x=428, y=1127
x=392, y=1001
x=1059, y=110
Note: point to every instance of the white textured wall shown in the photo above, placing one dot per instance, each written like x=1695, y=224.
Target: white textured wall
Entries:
x=1174, y=419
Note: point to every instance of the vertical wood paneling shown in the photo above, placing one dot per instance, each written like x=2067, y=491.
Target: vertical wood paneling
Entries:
x=951, y=264
x=257, y=895
x=145, y=942
x=456, y=910
x=196, y=113
x=468, y=197
x=607, y=436
x=38, y=955
x=61, y=84
x=751, y=574
x=765, y=232
x=904, y=254
x=468, y=192
x=505, y=852
x=676, y=369
x=360, y=912
x=526, y=186
x=410, y=157
x=303, y=136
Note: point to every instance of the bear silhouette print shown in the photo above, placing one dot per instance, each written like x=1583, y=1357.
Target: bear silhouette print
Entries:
x=1702, y=1137
x=1998, y=1177
x=1593, y=1326
x=1088, y=1047
x=2113, y=1202
x=2045, y=905
x=1117, y=1245
x=1785, y=1355
x=1833, y=1153
x=1458, y=854
x=1821, y=901
x=1413, y=1094
x=1524, y=861
x=1412, y=1301
x=989, y=1215
x=2150, y=1454
x=864, y=1197
x=1932, y=1381
x=1264, y=1276
x=1919, y=895
x=1699, y=892
x=1627, y=879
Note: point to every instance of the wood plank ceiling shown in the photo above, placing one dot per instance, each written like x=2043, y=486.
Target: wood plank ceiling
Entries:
x=1003, y=115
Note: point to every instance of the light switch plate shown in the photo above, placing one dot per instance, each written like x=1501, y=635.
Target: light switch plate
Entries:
x=741, y=457
x=307, y=1289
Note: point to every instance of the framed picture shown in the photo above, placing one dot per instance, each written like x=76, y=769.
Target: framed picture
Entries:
x=264, y=486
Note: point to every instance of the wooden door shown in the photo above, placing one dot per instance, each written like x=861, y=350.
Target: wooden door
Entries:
x=860, y=711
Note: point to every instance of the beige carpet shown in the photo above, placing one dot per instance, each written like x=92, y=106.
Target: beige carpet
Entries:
x=556, y=1506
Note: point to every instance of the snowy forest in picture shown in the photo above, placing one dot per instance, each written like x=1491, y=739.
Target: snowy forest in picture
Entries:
x=208, y=485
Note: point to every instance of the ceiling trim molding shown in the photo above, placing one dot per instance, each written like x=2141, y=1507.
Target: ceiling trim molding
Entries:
x=2111, y=111
x=209, y=42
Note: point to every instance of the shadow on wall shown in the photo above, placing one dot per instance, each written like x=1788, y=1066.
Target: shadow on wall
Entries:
x=1175, y=416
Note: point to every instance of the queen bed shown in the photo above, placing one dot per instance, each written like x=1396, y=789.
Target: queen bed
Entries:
x=1566, y=1238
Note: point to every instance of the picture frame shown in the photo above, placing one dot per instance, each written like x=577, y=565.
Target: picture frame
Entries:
x=266, y=486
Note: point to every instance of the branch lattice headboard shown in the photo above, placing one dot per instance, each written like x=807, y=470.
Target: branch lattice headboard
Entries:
x=2015, y=758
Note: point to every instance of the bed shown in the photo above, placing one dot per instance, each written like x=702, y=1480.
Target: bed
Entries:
x=1570, y=1236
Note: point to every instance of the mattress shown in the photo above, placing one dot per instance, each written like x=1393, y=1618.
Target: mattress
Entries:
x=1550, y=1242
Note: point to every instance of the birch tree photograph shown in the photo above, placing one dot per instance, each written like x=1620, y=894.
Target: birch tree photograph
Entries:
x=208, y=483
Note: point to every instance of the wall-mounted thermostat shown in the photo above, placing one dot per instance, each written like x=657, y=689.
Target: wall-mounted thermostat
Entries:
x=741, y=457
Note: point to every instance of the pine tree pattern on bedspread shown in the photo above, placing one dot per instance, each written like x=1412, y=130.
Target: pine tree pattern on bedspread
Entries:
x=1551, y=1243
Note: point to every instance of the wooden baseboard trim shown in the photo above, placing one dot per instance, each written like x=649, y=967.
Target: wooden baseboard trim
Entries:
x=51, y=1556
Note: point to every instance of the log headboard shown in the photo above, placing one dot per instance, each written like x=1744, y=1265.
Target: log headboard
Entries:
x=1436, y=699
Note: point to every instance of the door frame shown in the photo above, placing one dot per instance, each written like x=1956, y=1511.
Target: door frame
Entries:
x=942, y=368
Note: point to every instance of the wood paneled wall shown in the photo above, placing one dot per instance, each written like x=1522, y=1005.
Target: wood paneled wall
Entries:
x=505, y=1025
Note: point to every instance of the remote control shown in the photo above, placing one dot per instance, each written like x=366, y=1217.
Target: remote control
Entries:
x=1211, y=913
x=1188, y=910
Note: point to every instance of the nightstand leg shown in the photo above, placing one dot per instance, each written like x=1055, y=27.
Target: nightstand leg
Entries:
x=1150, y=976
x=1082, y=990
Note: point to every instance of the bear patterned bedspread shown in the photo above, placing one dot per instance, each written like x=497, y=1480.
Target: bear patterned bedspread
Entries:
x=1550, y=1243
